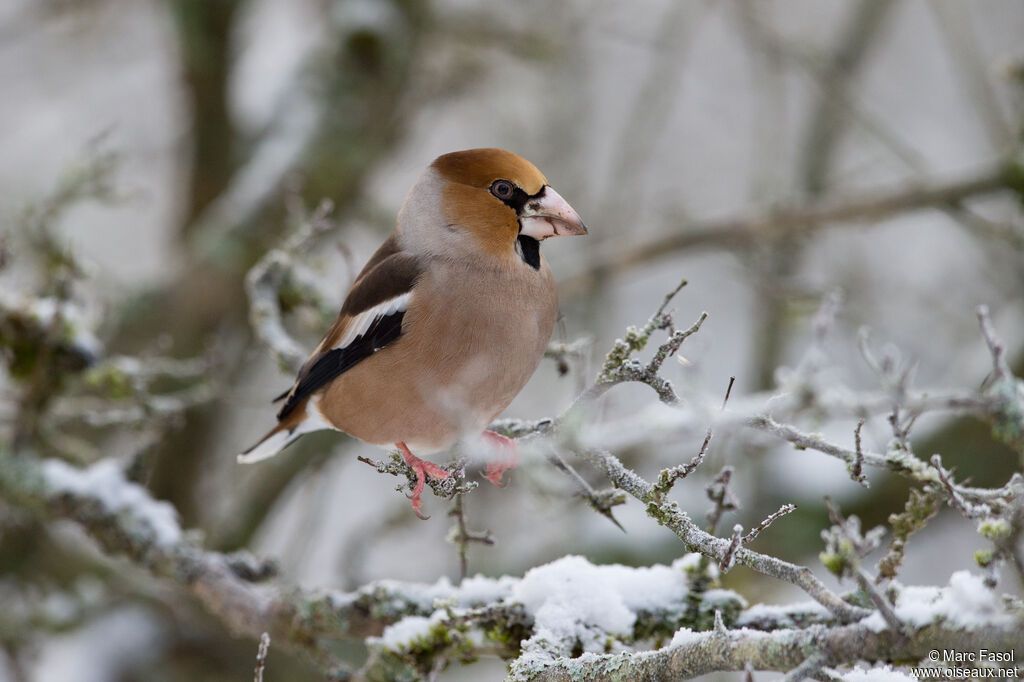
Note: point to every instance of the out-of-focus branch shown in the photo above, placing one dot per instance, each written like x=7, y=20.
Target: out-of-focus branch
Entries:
x=749, y=231
x=274, y=274
x=897, y=461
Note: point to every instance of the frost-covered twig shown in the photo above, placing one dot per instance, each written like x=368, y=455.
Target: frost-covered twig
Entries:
x=857, y=468
x=601, y=501
x=899, y=462
x=445, y=489
x=845, y=547
x=697, y=540
x=956, y=499
x=668, y=477
x=768, y=520
x=620, y=367
x=995, y=345
x=462, y=536
x=261, y=657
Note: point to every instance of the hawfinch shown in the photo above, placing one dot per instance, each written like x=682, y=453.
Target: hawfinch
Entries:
x=446, y=322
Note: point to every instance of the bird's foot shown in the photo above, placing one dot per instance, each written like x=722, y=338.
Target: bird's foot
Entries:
x=507, y=457
x=423, y=468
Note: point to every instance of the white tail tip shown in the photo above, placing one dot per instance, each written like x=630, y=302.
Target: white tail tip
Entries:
x=267, y=448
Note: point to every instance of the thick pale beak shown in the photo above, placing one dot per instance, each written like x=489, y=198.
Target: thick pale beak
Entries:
x=549, y=215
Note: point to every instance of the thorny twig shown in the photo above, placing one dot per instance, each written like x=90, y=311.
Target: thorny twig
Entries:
x=860, y=545
x=995, y=345
x=668, y=477
x=261, y=657
x=956, y=499
x=720, y=494
x=462, y=536
x=602, y=501
x=898, y=462
x=768, y=520
x=857, y=468
x=619, y=367
x=729, y=555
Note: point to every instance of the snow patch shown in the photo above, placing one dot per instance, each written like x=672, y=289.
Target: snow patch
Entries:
x=405, y=632
x=685, y=637
x=105, y=483
x=966, y=603
x=782, y=614
x=572, y=600
x=882, y=674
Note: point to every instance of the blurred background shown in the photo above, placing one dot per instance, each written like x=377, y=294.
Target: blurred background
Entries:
x=154, y=150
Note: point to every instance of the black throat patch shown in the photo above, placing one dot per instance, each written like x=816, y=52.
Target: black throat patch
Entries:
x=529, y=251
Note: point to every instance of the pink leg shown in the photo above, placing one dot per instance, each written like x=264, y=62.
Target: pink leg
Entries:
x=423, y=468
x=508, y=457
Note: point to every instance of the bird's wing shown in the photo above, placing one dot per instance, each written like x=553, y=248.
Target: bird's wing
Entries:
x=370, y=319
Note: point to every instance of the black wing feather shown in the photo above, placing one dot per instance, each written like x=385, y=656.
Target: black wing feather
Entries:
x=336, y=362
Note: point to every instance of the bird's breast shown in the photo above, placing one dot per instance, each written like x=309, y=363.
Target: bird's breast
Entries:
x=482, y=333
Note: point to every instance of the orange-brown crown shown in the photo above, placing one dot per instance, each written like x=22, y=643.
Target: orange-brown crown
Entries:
x=480, y=167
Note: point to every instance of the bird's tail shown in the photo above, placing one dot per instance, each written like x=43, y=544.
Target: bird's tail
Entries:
x=276, y=440
x=281, y=436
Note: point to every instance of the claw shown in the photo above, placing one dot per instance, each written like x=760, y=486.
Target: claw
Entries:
x=507, y=458
x=423, y=468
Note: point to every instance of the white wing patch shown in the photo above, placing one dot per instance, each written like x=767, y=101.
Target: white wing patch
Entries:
x=361, y=322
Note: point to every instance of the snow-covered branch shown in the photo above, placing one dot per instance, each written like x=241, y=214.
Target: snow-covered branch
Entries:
x=538, y=620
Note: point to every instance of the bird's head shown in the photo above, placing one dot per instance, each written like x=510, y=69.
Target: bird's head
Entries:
x=497, y=197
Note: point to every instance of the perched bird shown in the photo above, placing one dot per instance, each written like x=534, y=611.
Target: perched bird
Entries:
x=446, y=322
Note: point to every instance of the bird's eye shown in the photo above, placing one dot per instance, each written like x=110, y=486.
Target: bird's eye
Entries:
x=503, y=189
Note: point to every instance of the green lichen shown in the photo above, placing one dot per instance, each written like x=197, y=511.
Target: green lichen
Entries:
x=1008, y=421
x=994, y=529
x=113, y=382
x=921, y=506
x=635, y=340
x=835, y=563
x=984, y=557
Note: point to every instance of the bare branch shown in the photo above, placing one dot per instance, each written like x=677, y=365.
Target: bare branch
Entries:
x=461, y=536
x=857, y=468
x=619, y=368
x=748, y=231
x=729, y=556
x=995, y=344
x=956, y=498
x=769, y=520
x=263, y=285
x=668, y=477
x=269, y=276
x=261, y=657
